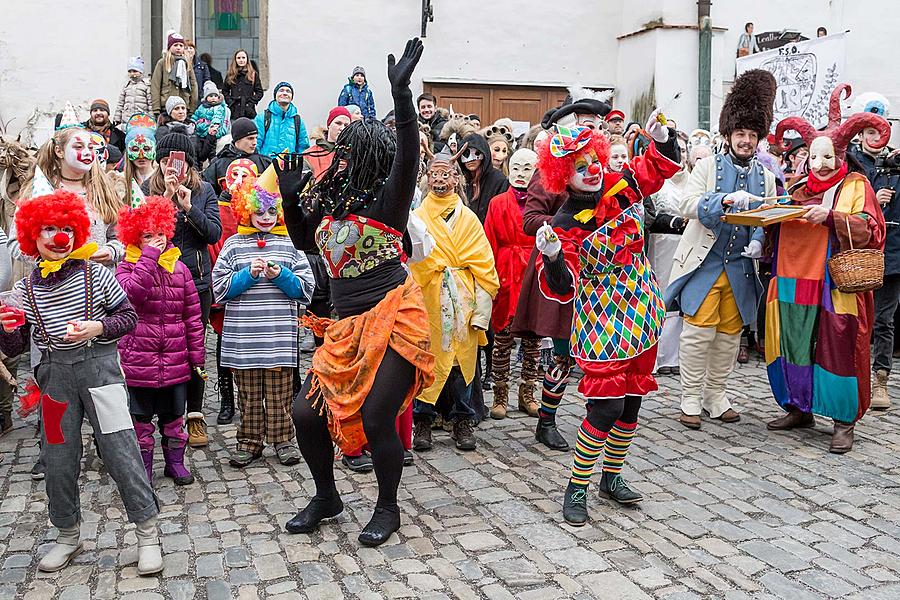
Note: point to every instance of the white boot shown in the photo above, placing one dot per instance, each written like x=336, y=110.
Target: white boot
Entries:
x=880, y=398
x=149, y=553
x=67, y=546
x=693, y=353
x=720, y=363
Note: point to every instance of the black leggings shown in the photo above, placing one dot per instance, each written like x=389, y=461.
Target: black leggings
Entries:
x=604, y=413
x=379, y=412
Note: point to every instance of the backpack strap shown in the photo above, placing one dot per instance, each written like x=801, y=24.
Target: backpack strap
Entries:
x=267, y=120
x=296, y=132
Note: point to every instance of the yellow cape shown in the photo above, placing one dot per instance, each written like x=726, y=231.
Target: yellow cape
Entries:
x=465, y=253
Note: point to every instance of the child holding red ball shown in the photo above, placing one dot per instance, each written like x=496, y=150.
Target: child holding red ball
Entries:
x=167, y=344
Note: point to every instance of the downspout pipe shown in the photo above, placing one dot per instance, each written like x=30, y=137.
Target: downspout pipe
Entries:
x=704, y=63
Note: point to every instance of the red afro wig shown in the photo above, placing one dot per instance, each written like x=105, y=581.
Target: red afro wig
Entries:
x=556, y=172
x=60, y=209
x=156, y=213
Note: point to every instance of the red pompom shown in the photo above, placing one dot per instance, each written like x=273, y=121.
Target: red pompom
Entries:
x=61, y=240
x=260, y=243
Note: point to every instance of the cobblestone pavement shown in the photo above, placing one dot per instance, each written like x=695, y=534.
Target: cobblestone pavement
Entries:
x=731, y=512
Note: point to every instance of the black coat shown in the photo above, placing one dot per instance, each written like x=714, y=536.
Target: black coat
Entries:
x=242, y=96
x=491, y=182
x=215, y=172
x=201, y=72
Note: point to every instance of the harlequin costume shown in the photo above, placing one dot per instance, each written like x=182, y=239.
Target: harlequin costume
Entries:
x=713, y=281
x=817, y=342
x=375, y=359
x=511, y=247
x=78, y=378
x=600, y=265
x=259, y=335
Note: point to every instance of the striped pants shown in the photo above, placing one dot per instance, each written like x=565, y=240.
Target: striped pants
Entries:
x=500, y=361
x=265, y=398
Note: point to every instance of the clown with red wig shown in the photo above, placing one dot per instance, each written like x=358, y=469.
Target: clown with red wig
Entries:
x=75, y=312
x=817, y=336
x=167, y=344
x=593, y=256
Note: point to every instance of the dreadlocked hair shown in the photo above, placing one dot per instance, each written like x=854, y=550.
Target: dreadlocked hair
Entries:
x=368, y=148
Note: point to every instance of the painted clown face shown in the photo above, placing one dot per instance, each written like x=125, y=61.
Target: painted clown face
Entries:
x=55, y=242
x=442, y=178
x=265, y=219
x=588, y=175
x=499, y=153
x=239, y=170
x=79, y=153
x=521, y=168
x=142, y=146
x=823, y=161
x=98, y=145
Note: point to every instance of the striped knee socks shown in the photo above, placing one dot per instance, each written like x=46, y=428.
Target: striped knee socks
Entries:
x=587, y=450
x=617, y=444
x=554, y=387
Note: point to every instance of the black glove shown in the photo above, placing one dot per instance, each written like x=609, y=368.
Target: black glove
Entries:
x=400, y=71
x=292, y=179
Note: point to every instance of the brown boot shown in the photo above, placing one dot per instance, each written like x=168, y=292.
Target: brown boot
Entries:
x=880, y=398
x=501, y=400
x=527, y=403
x=792, y=420
x=196, y=428
x=842, y=438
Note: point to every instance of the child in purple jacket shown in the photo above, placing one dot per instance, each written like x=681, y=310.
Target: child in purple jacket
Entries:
x=167, y=343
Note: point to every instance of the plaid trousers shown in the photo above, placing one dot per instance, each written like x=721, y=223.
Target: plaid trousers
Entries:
x=265, y=398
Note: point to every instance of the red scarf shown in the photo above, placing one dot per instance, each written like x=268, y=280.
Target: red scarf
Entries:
x=817, y=186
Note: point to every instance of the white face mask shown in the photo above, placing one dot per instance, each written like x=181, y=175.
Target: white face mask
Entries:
x=521, y=167
x=471, y=154
x=78, y=153
x=822, y=160
x=588, y=175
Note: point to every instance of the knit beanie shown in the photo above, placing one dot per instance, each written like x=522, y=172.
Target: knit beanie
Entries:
x=358, y=71
x=241, y=128
x=174, y=38
x=209, y=88
x=172, y=102
x=136, y=63
x=280, y=85
x=176, y=140
x=101, y=104
x=337, y=111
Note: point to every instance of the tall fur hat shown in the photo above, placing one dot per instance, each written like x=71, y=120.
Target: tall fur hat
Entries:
x=749, y=104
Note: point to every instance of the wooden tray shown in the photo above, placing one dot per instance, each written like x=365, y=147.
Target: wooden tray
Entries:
x=766, y=215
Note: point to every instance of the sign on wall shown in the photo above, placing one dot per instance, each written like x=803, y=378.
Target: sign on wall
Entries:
x=806, y=73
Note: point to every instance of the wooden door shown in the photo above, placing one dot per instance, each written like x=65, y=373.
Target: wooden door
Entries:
x=491, y=102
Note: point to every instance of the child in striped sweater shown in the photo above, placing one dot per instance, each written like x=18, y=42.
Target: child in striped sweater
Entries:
x=261, y=278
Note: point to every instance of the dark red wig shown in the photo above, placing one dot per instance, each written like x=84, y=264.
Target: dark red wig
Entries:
x=556, y=172
x=60, y=209
x=839, y=133
x=156, y=213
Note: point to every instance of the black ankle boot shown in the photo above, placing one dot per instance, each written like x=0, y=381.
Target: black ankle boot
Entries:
x=575, y=510
x=384, y=522
x=547, y=434
x=318, y=509
x=226, y=397
x=613, y=486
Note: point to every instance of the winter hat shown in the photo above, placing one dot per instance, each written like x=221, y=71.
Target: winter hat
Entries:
x=136, y=63
x=337, y=111
x=358, y=71
x=101, y=104
x=176, y=140
x=210, y=88
x=172, y=102
x=174, y=38
x=241, y=128
x=750, y=104
x=280, y=85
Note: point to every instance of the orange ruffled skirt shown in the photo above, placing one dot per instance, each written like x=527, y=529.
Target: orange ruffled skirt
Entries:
x=344, y=367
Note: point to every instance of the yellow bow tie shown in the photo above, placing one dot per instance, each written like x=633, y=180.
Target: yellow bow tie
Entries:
x=166, y=260
x=247, y=230
x=83, y=253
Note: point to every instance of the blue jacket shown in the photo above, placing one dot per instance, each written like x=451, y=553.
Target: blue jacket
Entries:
x=282, y=133
x=884, y=178
x=360, y=96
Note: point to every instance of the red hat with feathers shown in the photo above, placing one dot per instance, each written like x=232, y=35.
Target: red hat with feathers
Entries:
x=155, y=213
x=60, y=209
x=839, y=133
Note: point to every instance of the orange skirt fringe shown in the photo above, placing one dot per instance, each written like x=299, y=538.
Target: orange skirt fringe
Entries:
x=344, y=367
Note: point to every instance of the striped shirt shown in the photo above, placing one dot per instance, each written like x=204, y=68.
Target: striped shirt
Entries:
x=59, y=302
x=261, y=329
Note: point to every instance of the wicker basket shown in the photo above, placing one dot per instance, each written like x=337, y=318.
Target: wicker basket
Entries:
x=857, y=270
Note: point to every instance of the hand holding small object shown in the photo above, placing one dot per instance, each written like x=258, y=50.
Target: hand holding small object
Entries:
x=816, y=214
x=82, y=331
x=257, y=267
x=657, y=127
x=547, y=242
x=740, y=200
x=272, y=270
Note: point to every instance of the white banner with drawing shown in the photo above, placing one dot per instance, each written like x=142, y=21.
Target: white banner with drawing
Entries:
x=806, y=73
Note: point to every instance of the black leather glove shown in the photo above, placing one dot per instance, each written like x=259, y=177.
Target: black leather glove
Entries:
x=400, y=71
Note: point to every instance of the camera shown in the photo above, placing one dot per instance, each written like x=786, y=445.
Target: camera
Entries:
x=888, y=163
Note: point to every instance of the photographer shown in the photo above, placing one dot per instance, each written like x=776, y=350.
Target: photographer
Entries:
x=881, y=167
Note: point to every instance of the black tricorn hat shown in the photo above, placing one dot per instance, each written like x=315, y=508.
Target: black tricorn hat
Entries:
x=585, y=106
x=749, y=104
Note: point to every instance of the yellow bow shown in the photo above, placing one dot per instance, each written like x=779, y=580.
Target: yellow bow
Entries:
x=247, y=230
x=166, y=260
x=83, y=253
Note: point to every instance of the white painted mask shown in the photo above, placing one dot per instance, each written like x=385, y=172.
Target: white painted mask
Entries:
x=79, y=153
x=822, y=159
x=521, y=167
x=588, y=175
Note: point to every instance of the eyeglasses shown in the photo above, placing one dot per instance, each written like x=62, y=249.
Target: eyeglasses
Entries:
x=48, y=231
